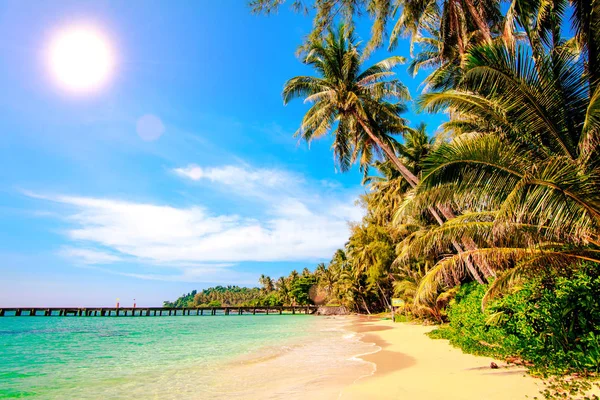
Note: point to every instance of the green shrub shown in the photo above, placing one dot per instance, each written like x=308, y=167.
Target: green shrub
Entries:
x=552, y=322
x=401, y=318
x=469, y=328
x=299, y=289
x=271, y=299
x=557, y=320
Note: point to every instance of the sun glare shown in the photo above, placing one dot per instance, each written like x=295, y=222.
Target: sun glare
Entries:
x=81, y=59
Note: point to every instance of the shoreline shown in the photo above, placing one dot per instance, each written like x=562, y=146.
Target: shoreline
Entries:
x=330, y=357
x=409, y=364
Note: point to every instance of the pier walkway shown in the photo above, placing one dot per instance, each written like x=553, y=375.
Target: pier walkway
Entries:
x=152, y=311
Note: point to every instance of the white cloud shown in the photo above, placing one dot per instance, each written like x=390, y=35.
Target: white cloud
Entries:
x=238, y=175
x=87, y=256
x=164, y=234
x=330, y=184
x=296, y=223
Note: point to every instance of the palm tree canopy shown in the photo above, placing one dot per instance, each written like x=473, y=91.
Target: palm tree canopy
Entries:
x=346, y=98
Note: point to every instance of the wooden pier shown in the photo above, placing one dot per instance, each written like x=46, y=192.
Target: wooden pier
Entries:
x=152, y=311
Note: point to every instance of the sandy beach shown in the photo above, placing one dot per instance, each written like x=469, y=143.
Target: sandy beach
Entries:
x=410, y=365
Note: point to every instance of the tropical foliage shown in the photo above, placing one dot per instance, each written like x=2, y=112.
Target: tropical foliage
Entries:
x=504, y=200
x=216, y=297
x=295, y=289
x=550, y=322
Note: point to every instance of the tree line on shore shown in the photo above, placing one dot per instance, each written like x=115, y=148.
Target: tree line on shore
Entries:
x=295, y=289
x=492, y=223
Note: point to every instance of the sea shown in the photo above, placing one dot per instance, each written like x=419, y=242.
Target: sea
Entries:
x=180, y=357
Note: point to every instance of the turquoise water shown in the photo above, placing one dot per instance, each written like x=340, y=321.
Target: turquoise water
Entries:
x=175, y=357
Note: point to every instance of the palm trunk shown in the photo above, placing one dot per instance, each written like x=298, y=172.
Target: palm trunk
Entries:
x=589, y=17
x=469, y=263
x=365, y=304
x=387, y=303
x=413, y=182
x=470, y=245
x=479, y=21
x=405, y=172
x=459, y=31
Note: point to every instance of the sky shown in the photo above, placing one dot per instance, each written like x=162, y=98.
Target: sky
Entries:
x=179, y=173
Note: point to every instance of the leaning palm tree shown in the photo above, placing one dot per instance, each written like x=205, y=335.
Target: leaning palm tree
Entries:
x=388, y=189
x=347, y=98
x=353, y=104
x=523, y=168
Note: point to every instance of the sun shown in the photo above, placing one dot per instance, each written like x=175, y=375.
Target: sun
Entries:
x=81, y=59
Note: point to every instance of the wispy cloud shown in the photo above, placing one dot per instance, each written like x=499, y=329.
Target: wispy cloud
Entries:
x=298, y=224
x=88, y=256
x=165, y=234
x=237, y=175
x=246, y=181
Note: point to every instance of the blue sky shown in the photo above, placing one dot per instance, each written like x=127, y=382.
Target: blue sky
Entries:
x=92, y=209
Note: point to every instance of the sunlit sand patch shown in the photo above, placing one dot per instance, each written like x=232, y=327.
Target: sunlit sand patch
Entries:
x=316, y=367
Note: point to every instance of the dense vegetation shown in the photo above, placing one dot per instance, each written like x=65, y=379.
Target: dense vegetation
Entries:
x=216, y=297
x=551, y=321
x=295, y=289
x=498, y=214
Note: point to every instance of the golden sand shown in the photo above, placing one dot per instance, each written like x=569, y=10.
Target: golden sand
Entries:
x=410, y=365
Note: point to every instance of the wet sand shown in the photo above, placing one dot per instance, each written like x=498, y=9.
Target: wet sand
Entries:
x=410, y=365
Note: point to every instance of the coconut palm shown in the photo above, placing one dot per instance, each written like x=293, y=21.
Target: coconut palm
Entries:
x=409, y=15
x=339, y=260
x=354, y=107
x=518, y=184
x=347, y=99
x=387, y=190
x=327, y=277
x=387, y=187
x=443, y=59
x=523, y=168
x=283, y=289
x=293, y=275
x=542, y=22
x=267, y=283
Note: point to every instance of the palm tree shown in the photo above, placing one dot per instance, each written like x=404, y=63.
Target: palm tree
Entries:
x=456, y=25
x=267, y=283
x=339, y=259
x=327, y=277
x=355, y=292
x=346, y=100
x=372, y=251
x=293, y=275
x=411, y=15
x=543, y=21
x=444, y=58
x=354, y=107
x=524, y=165
x=387, y=190
x=283, y=289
